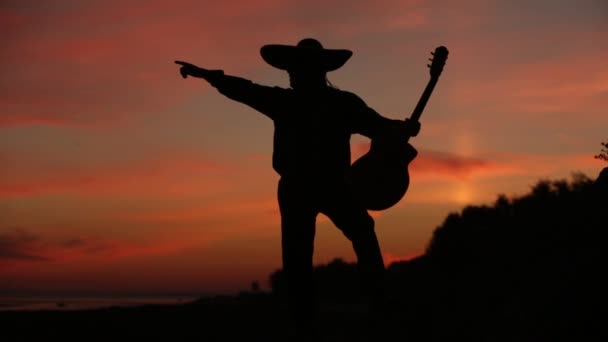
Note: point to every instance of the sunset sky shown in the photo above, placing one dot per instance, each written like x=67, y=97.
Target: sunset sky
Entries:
x=118, y=175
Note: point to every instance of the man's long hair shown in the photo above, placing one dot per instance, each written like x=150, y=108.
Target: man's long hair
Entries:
x=329, y=84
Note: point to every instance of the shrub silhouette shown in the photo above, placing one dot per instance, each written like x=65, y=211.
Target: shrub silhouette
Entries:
x=527, y=268
x=335, y=281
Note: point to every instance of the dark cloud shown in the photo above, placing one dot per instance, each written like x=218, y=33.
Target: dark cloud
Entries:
x=75, y=242
x=18, y=244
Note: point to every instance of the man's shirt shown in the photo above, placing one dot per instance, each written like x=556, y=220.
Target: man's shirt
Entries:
x=311, y=129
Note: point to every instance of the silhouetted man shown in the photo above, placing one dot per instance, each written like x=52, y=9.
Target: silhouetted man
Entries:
x=313, y=123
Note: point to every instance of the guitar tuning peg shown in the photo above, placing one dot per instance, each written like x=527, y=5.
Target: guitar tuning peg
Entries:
x=430, y=59
x=428, y=65
x=433, y=53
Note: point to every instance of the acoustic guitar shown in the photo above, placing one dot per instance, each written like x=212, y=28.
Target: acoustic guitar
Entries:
x=380, y=178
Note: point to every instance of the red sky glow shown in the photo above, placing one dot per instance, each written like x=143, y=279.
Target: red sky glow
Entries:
x=119, y=175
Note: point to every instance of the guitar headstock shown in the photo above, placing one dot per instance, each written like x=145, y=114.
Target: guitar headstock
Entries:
x=438, y=61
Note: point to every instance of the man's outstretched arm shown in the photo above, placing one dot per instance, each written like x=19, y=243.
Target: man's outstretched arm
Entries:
x=371, y=124
x=261, y=98
x=188, y=69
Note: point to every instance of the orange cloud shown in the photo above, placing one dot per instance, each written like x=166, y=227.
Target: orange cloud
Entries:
x=523, y=171
x=435, y=164
x=432, y=165
x=233, y=212
x=442, y=177
x=19, y=246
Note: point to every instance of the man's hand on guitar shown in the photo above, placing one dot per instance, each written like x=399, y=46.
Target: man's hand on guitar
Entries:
x=412, y=127
x=188, y=69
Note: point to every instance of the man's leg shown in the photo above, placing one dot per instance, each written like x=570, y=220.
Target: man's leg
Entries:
x=297, y=236
x=358, y=226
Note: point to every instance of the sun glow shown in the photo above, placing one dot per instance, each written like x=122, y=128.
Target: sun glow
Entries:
x=463, y=193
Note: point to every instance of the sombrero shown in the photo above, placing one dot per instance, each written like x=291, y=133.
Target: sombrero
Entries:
x=306, y=54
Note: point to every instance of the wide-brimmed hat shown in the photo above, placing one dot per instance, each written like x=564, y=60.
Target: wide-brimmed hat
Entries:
x=308, y=53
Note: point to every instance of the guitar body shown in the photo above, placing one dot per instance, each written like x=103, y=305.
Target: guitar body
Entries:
x=380, y=178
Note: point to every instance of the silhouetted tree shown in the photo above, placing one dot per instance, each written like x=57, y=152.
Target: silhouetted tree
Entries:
x=255, y=287
x=533, y=260
x=604, y=154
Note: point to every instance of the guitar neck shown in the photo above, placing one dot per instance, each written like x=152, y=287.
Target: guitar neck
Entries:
x=424, y=99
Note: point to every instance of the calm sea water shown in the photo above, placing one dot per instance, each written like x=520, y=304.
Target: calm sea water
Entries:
x=55, y=302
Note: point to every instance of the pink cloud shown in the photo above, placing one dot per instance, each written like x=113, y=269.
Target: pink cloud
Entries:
x=126, y=69
x=32, y=120
x=11, y=20
x=357, y=19
x=171, y=175
x=493, y=74
x=96, y=76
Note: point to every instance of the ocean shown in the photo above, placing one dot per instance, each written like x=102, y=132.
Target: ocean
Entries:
x=74, y=302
